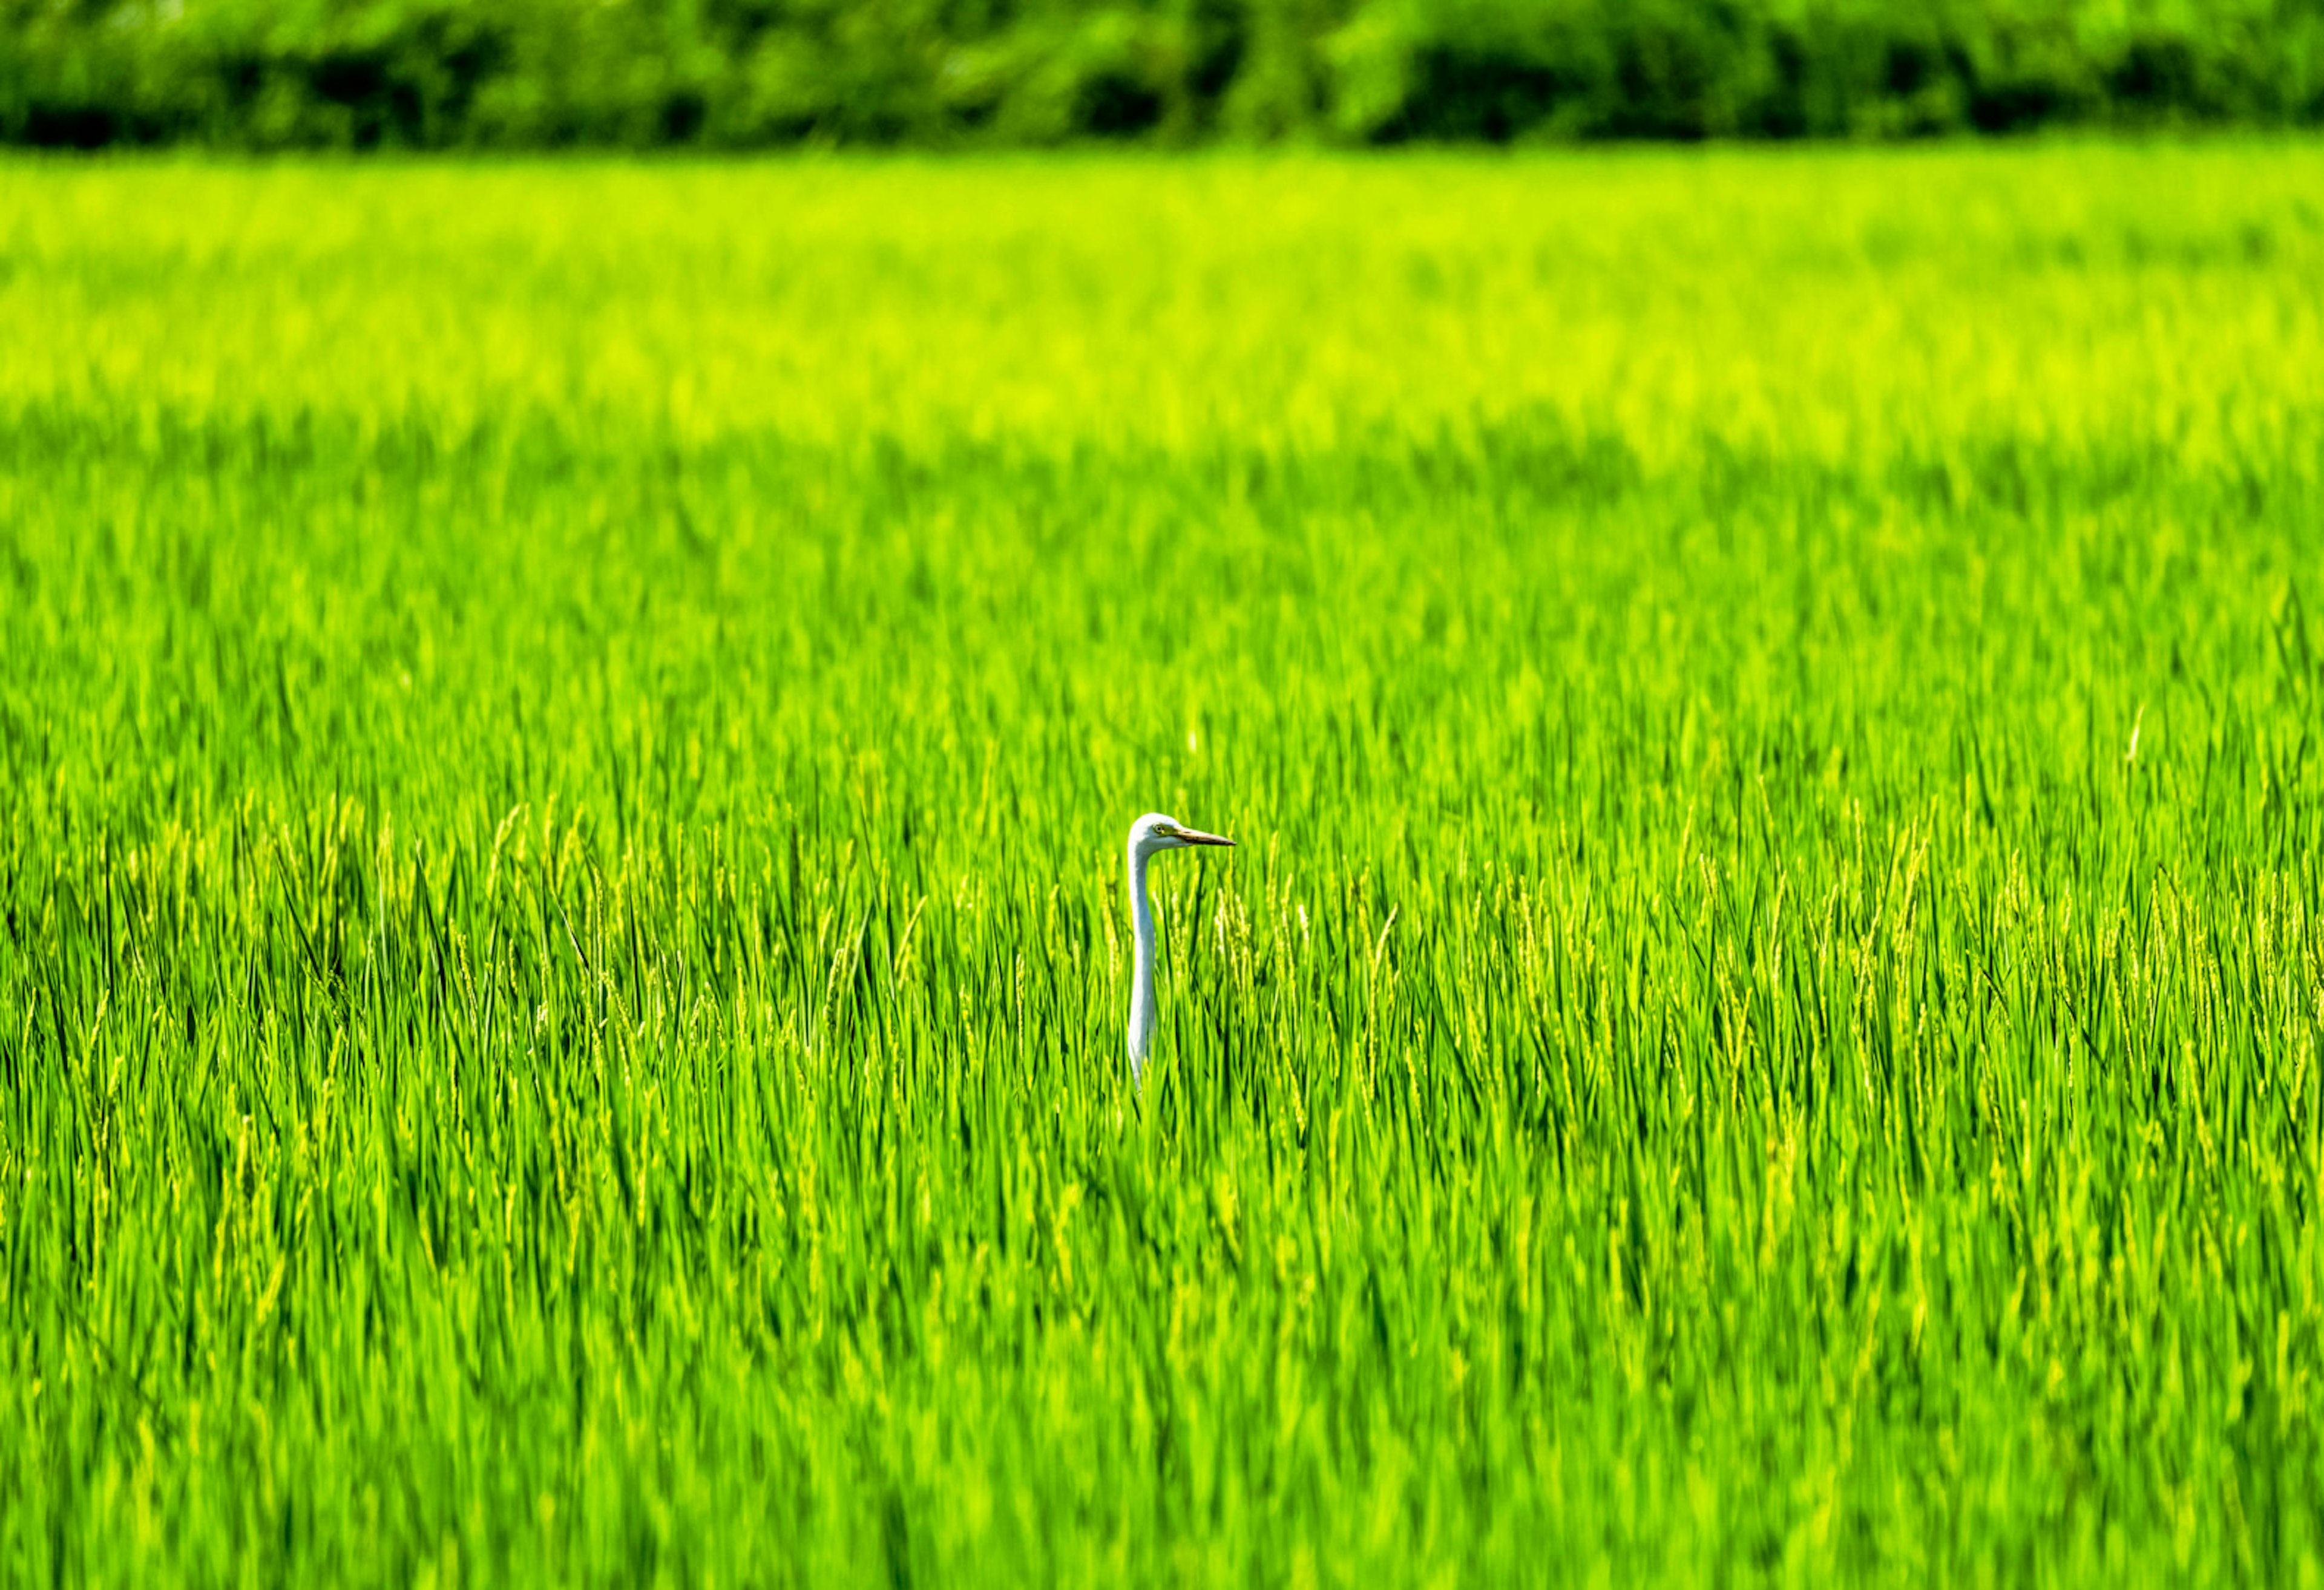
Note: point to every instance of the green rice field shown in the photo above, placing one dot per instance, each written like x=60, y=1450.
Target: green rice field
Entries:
x=567, y=731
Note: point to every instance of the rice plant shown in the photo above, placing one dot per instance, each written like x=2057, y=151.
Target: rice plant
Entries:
x=566, y=732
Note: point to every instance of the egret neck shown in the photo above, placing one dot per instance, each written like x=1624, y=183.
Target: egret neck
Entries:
x=1148, y=837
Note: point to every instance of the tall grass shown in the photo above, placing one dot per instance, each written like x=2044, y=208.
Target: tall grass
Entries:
x=565, y=737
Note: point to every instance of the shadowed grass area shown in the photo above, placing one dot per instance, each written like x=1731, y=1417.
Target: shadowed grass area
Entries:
x=566, y=734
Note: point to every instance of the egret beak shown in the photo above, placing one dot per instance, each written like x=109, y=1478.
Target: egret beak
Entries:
x=1195, y=836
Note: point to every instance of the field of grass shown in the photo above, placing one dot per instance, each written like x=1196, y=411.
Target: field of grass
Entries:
x=565, y=732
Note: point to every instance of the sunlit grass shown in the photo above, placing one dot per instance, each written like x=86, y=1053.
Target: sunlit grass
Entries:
x=565, y=732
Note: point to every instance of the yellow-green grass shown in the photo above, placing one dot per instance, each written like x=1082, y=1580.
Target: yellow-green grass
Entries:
x=566, y=731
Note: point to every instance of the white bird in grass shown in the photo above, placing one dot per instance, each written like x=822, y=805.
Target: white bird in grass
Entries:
x=1149, y=836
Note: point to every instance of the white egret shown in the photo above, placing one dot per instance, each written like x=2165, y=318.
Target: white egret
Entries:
x=1149, y=836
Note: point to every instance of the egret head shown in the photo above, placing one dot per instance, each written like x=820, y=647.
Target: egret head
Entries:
x=1155, y=833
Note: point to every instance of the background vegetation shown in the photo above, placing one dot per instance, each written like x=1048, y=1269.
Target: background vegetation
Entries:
x=529, y=74
x=565, y=733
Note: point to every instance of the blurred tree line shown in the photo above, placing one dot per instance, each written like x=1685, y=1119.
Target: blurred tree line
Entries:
x=522, y=74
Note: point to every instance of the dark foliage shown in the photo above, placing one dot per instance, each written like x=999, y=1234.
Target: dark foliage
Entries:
x=750, y=73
